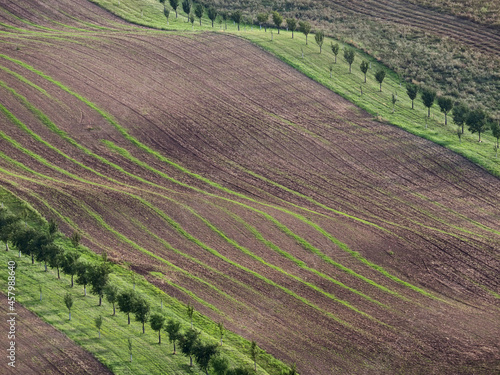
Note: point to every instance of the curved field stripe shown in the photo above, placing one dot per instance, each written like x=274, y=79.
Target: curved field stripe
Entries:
x=147, y=149
x=178, y=228
x=246, y=251
x=189, y=293
x=267, y=216
x=27, y=22
x=169, y=247
x=125, y=239
x=298, y=262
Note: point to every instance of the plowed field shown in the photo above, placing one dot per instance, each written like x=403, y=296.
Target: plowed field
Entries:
x=334, y=241
x=41, y=349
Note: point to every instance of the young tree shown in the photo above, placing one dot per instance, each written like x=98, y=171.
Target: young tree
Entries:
x=126, y=302
x=40, y=248
x=254, y=353
x=83, y=275
x=174, y=4
x=8, y=223
x=476, y=121
x=68, y=301
x=278, y=20
x=157, y=322
x=220, y=325
x=220, y=365
x=445, y=104
x=188, y=342
x=394, y=100
x=98, y=324
x=55, y=257
x=335, y=50
x=364, y=68
x=52, y=228
x=198, y=11
x=225, y=17
x=319, y=37
x=237, y=16
x=23, y=238
x=212, y=14
x=412, y=91
x=379, y=76
x=173, y=329
x=203, y=353
x=262, y=19
x=186, y=7
x=111, y=292
x=190, y=313
x=428, y=97
x=69, y=264
x=166, y=13
x=305, y=28
x=98, y=278
x=495, y=129
x=460, y=113
x=349, y=57
x=191, y=19
x=141, y=311
x=291, y=24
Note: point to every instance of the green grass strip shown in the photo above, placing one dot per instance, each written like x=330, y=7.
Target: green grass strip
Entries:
x=143, y=147
x=299, y=262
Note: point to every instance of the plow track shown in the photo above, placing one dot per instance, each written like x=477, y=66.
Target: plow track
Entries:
x=259, y=196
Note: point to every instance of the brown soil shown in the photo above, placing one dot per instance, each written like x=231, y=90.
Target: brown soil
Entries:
x=41, y=349
x=304, y=171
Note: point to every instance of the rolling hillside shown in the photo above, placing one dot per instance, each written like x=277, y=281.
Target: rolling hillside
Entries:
x=332, y=240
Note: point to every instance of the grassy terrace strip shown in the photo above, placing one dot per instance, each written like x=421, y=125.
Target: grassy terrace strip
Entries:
x=111, y=349
x=246, y=251
x=282, y=227
x=211, y=183
x=298, y=262
x=178, y=228
x=52, y=126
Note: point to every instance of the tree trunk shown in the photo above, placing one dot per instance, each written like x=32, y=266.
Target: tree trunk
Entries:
x=114, y=309
x=380, y=86
x=85, y=290
x=100, y=300
x=174, y=346
x=412, y=104
x=159, y=336
x=365, y=77
x=212, y=24
x=128, y=314
x=70, y=315
x=32, y=258
x=238, y=27
x=72, y=281
x=479, y=136
x=6, y=245
x=190, y=361
x=58, y=274
x=200, y=23
x=429, y=112
x=292, y=34
x=142, y=327
x=278, y=31
x=45, y=266
x=445, y=119
x=99, y=333
x=462, y=128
